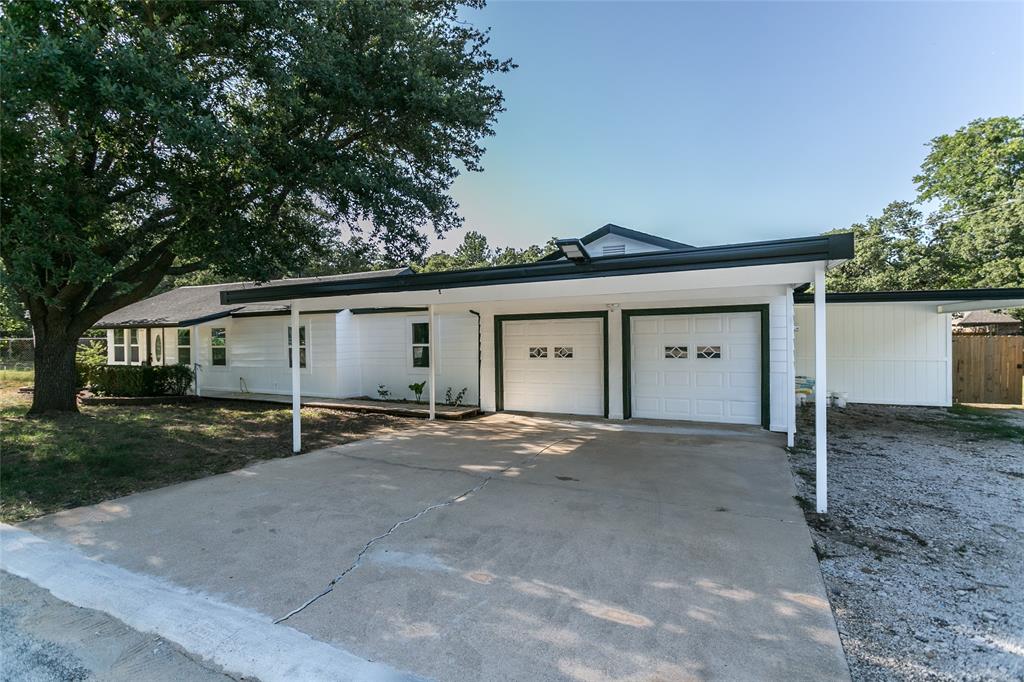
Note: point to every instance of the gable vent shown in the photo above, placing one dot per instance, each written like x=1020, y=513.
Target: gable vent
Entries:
x=613, y=250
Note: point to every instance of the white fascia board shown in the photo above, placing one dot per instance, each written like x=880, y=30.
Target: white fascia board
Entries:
x=967, y=306
x=609, y=287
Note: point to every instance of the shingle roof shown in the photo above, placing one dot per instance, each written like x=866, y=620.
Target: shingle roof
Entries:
x=184, y=306
x=983, y=317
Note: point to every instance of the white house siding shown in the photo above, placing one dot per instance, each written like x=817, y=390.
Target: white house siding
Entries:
x=257, y=357
x=614, y=242
x=774, y=296
x=385, y=354
x=886, y=353
x=350, y=380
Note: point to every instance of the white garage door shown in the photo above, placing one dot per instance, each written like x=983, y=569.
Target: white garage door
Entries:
x=553, y=365
x=701, y=367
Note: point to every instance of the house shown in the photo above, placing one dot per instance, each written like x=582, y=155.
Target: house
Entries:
x=616, y=324
x=988, y=322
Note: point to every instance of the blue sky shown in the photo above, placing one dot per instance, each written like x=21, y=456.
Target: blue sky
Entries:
x=717, y=123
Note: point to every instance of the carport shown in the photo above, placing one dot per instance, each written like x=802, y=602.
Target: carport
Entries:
x=760, y=276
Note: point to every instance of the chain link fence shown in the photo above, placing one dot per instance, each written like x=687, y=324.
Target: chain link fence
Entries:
x=17, y=354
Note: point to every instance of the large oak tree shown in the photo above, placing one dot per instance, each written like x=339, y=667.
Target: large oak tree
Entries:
x=149, y=138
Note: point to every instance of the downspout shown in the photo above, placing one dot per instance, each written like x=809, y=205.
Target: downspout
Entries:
x=479, y=356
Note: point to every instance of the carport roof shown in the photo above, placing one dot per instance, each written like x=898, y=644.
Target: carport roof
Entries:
x=946, y=300
x=834, y=247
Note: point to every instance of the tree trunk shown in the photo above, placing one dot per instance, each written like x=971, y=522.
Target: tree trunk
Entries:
x=56, y=384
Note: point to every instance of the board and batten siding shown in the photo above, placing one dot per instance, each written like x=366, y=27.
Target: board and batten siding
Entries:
x=883, y=353
x=384, y=354
x=257, y=357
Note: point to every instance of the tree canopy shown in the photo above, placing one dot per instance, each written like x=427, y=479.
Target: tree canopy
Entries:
x=475, y=252
x=148, y=139
x=972, y=182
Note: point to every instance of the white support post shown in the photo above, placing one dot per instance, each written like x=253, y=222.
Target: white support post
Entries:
x=432, y=330
x=193, y=351
x=790, y=368
x=820, y=393
x=296, y=379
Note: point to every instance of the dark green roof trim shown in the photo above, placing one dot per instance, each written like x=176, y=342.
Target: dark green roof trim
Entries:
x=936, y=295
x=381, y=311
x=168, y=324
x=826, y=247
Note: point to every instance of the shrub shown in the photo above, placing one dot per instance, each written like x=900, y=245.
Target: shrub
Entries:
x=417, y=390
x=455, y=400
x=88, y=359
x=134, y=381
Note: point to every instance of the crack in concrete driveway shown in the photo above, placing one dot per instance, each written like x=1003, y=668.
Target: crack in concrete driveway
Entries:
x=426, y=510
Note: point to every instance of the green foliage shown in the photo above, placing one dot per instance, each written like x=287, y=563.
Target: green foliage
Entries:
x=383, y=392
x=475, y=252
x=976, y=236
x=455, y=399
x=135, y=380
x=13, y=318
x=417, y=389
x=88, y=360
x=148, y=139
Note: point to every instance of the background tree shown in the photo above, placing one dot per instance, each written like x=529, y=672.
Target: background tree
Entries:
x=475, y=252
x=974, y=237
x=146, y=139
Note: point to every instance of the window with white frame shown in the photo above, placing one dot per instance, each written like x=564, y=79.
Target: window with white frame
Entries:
x=133, y=346
x=302, y=346
x=218, y=346
x=184, y=346
x=119, y=345
x=420, y=344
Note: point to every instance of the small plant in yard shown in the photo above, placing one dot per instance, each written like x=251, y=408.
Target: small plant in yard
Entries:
x=454, y=400
x=88, y=360
x=383, y=392
x=417, y=390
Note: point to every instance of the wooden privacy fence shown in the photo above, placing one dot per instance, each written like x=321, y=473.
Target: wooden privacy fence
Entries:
x=988, y=369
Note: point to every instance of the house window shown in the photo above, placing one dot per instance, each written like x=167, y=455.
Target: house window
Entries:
x=219, y=346
x=676, y=352
x=420, y=344
x=119, y=347
x=538, y=351
x=709, y=352
x=563, y=352
x=158, y=348
x=133, y=345
x=302, y=346
x=184, y=346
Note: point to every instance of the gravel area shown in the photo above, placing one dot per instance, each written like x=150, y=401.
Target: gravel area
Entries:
x=923, y=549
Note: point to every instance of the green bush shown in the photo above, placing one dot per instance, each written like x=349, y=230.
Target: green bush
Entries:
x=88, y=359
x=134, y=380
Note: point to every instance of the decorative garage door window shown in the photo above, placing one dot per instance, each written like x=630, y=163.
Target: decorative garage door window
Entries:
x=676, y=352
x=563, y=351
x=538, y=351
x=709, y=352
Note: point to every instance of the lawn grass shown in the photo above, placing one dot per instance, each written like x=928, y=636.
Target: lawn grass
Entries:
x=106, y=451
x=987, y=422
x=14, y=378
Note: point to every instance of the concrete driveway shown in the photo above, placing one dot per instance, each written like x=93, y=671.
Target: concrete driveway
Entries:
x=525, y=549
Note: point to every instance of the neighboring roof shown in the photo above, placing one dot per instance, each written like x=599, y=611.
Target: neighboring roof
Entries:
x=937, y=295
x=620, y=231
x=189, y=305
x=980, y=318
x=806, y=249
